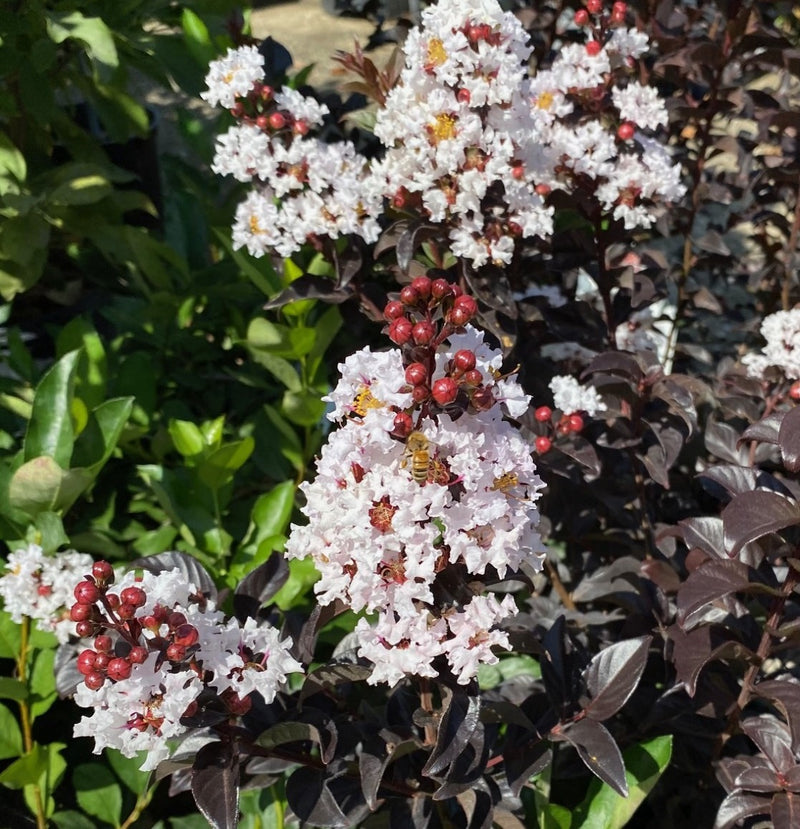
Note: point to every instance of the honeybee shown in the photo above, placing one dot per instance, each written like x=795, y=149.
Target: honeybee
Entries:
x=505, y=483
x=417, y=455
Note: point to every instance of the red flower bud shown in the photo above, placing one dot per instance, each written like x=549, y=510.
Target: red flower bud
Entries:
x=419, y=394
x=593, y=48
x=594, y=6
x=126, y=611
x=103, y=572
x=102, y=643
x=409, y=295
x=83, y=629
x=581, y=17
x=422, y=285
x=186, y=635
x=625, y=131
x=403, y=424
x=794, y=390
x=94, y=681
x=118, y=669
x=575, y=423
x=80, y=612
x=463, y=96
x=101, y=661
x=277, y=120
x=464, y=359
x=393, y=310
x=473, y=377
x=542, y=444
x=444, y=390
x=400, y=330
x=86, y=661
x=176, y=653
x=86, y=592
x=440, y=288
x=134, y=596
x=543, y=414
x=423, y=332
x=137, y=655
x=483, y=399
x=416, y=374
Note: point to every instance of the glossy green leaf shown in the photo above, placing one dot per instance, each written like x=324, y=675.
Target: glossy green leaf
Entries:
x=12, y=162
x=10, y=735
x=103, y=430
x=91, y=374
x=603, y=808
x=127, y=769
x=40, y=485
x=27, y=770
x=50, y=530
x=218, y=468
x=303, y=407
x=11, y=688
x=187, y=437
x=98, y=792
x=10, y=636
x=82, y=190
x=54, y=768
x=279, y=368
x=197, y=39
x=72, y=820
x=302, y=575
x=272, y=510
x=42, y=683
x=50, y=431
x=91, y=31
x=212, y=431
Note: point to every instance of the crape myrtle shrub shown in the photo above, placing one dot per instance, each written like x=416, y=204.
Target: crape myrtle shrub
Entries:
x=665, y=487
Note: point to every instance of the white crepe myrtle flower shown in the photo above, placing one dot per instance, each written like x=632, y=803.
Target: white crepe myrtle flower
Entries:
x=387, y=514
x=233, y=76
x=640, y=105
x=781, y=330
x=569, y=396
x=39, y=586
x=172, y=644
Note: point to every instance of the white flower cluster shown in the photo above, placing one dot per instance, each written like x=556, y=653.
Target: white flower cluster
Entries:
x=569, y=396
x=461, y=134
x=40, y=587
x=386, y=516
x=473, y=142
x=143, y=711
x=302, y=187
x=233, y=76
x=781, y=330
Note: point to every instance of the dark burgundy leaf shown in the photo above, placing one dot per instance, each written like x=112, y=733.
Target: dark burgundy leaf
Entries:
x=613, y=674
x=478, y=807
x=460, y=719
x=765, y=430
x=333, y=674
x=773, y=738
x=306, y=640
x=347, y=263
x=580, y=450
x=708, y=583
x=792, y=779
x=758, y=778
x=259, y=586
x=734, y=479
x=605, y=581
x=215, y=784
x=722, y=441
x=785, y=694
x=704, y=532
x=525, y=759
x=310, y=287
x=554, y=664
x=694, y=650
x=190, y=568
x=789, y=440
x=409, y=241
x=377, y=751
x=616, y=362
x=68, y=677
x=754, y=514
x=738, y=806
x=599, y=752
x=310, y=798
x=785, y=810
x=320, y=730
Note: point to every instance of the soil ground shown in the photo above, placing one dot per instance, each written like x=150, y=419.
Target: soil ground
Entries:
x=312, y=36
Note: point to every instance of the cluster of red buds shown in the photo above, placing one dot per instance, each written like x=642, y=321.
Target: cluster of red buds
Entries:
x=98, y=610
x=794, y=391
x=261, y=109
x=426, y=313
x=566, y=424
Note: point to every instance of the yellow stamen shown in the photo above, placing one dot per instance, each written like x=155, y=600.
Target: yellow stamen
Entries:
x=436, y=53
x=545, y=100
x=444, y=128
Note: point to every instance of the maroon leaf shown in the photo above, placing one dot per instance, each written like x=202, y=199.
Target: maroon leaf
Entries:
x=377, y=752
x=308, y=286
x=190, y=568
x=259, y=586
x=785, y=694
x=323, y=733
x=734, y=479
x=619, y=363
x=789, y=440
x=704, y=532
x=755, y=514
x=773, y=739
x=599, y=752
x=758, y=778
x=460, y=720
x=710, y=581
x=215, y=784
x=321, y=799
x=766, y=430
x=737, y=806
x=524, y=759
x=785, y=810
x=694, y=650
x=613, y=674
